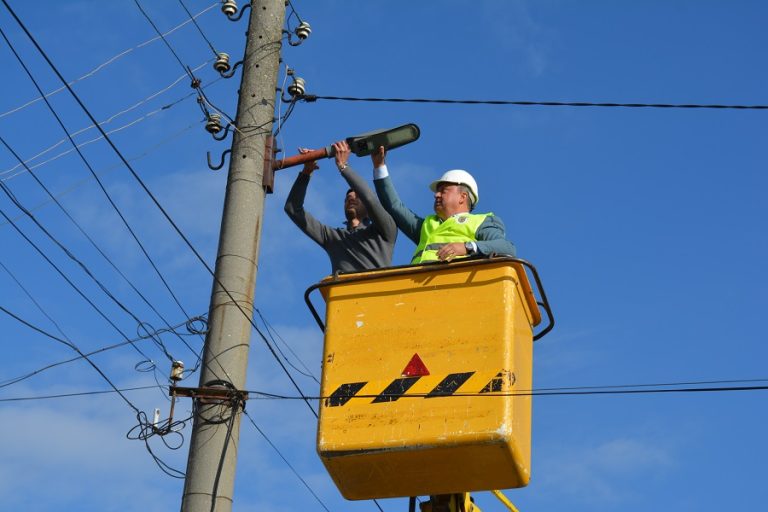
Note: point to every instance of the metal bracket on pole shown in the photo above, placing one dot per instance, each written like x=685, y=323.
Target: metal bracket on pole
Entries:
x=268, y=179
x=210, y=394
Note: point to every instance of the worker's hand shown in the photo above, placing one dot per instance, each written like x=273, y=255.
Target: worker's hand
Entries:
x=342, y=153
x=378, y=157
x=311, y=166
x=450, y=251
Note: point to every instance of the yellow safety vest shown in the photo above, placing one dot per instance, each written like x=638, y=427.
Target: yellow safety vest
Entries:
x=435, y=233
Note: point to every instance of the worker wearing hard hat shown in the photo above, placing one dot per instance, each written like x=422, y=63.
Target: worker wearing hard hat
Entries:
x=453, y=231
x=368, y=238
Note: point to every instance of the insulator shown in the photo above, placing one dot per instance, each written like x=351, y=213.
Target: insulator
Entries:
x=213, y=124
x=297, y=87
x=222, y=62
x=177, y=371
x=303, y=30
x=229, y=7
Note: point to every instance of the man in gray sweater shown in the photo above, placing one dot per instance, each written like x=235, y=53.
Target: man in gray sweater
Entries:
x=368, y=238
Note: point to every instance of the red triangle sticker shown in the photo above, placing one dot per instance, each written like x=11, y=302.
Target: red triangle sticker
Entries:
x=415, y=367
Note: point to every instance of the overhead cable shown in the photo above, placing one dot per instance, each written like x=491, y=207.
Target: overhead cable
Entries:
x=68, y=280
x=69, y=253
x=146, y=152
x=156, y=202
x=306, y=371
x=99, y=250
x=140, y=415
x=28, y=168
x=256, y=395
x=532, y=392
x=108, y=62
x=162, y=36
x=35, y=302
x=314, y=97
x=290, y=466
x=107, y=121
x=192, y=19
x=76, y=394
x=25, y=376
x=82, y=157
x=74, y=347
x=202, y=98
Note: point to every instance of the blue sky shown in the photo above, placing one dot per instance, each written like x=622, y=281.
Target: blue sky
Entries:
x=646, y=225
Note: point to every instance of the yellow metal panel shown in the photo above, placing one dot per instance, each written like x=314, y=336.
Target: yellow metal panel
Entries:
x=385, y=434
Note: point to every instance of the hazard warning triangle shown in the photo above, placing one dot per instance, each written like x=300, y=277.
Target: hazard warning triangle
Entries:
x=415, y=367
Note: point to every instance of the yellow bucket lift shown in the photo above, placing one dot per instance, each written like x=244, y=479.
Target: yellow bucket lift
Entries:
x=426, y=380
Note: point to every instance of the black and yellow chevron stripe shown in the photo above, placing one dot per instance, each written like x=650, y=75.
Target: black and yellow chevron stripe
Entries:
x=398, y=388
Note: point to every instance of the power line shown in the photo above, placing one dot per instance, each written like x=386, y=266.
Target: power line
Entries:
x=293, y=12
x=107, y=121
x=28, y=375
x=74, y=148
x=145, y=430
x=141, y=416
x=532, y=392
x=79, y=183
x=34, y=301
x=260, y=395
x=306, y=372
x=70, y=395
x=116, y=209
x=314, y=97
x=290, y=466
x=210, y=45
x=155, y=201
x=271, y=349
x=66, y=251
x=82, y=157
x=93, y=243
x=85, y=268
x=74, y=258
x=162, y=36
x=74, y=347
x=202, y=98
x=109, y=61
x=67, y=279
x=99, y=250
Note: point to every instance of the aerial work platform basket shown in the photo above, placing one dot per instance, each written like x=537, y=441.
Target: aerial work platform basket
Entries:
x=426, y=380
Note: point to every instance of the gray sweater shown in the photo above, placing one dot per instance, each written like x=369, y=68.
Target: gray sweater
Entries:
x=368, y=246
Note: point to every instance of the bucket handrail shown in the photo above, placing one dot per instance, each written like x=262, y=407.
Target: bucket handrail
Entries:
x=353, y=277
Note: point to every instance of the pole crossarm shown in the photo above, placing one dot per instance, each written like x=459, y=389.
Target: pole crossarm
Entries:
x=205, y=394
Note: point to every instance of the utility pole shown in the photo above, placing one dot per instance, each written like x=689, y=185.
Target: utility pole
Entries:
x=213, y=446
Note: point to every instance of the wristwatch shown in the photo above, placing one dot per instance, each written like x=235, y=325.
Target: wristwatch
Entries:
x=471, y=248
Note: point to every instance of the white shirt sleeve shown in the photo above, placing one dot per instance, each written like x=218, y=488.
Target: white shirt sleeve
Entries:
x=380, y=172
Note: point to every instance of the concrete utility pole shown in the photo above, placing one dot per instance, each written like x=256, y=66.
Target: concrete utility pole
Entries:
x=214, y=442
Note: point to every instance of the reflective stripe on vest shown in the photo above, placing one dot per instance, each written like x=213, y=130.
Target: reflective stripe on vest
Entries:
x=436, y=233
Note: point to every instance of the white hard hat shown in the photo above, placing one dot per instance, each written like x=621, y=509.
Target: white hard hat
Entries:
x=459, y=177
